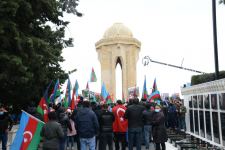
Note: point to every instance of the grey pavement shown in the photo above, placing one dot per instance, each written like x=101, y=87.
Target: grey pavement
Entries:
x=12, y=134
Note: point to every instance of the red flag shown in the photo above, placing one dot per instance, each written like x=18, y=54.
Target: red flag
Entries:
x=72, y=104
x=120, y=124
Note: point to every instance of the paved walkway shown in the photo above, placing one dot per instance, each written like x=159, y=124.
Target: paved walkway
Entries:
x=152, y=147
x=15, y=127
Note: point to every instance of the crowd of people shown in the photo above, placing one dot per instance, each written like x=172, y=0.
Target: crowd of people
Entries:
x=99, y=126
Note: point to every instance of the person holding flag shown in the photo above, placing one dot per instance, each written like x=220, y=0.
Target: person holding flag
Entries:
x=119, y=125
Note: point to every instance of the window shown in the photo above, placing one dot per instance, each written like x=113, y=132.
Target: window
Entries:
x=190, y=101
x=200, y=101
x=206, y=101
x=196, y=122
x=222, y=101
x=222, y=116
x=216, y=127
x=202, y=125
x=191, y=121
x=214, y=101
x=208, y=125
x=195, y=101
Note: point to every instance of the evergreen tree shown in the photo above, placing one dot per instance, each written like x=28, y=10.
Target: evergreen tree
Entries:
x=31, y=43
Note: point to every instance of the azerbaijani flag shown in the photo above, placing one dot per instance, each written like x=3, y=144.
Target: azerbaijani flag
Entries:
x=56, y=92
x=145, y=92
x=43, y=109
x=104, y=93
x=67, y=98
x=43, y=105
x=109, y=99
x=154, y=87
x=93, y=76
x=75, y=92
x=28, y=135
x=154, y=96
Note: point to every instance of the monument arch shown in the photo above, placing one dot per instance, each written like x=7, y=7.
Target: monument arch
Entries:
x=118, y=46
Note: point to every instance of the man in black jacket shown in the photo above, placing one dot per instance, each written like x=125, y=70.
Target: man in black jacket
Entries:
x=134, y=114
x=106, y=120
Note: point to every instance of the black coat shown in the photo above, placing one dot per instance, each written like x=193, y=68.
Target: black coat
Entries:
x=158, y=129
x=147, y=117
x=134, y=114
x=106, y=120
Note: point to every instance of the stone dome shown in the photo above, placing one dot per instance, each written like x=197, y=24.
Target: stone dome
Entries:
x=118, y=30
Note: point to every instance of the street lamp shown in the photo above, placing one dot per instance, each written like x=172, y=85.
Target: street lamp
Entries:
x=72, y=71
x=147, y=59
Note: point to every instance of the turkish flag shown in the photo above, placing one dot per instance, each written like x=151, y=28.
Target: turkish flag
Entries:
x=120, y=124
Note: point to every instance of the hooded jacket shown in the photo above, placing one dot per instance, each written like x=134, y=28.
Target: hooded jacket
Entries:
x=86, y=123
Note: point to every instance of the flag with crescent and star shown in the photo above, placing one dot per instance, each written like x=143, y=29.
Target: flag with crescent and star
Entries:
x=28, y=135
x=43, y=104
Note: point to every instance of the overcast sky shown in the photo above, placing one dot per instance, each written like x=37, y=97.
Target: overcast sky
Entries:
x=169, y=31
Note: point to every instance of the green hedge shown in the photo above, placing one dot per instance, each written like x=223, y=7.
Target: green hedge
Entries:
x=198, y=79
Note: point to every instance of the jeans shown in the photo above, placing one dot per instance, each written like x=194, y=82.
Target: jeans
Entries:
x=147, y=134
x=134, y=134
x=62, y=144
x=84, y=142
x=182, y=124
x=106, y=139
x=4, y=139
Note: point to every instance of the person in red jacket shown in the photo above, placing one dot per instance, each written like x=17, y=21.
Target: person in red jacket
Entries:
x=119, y=125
